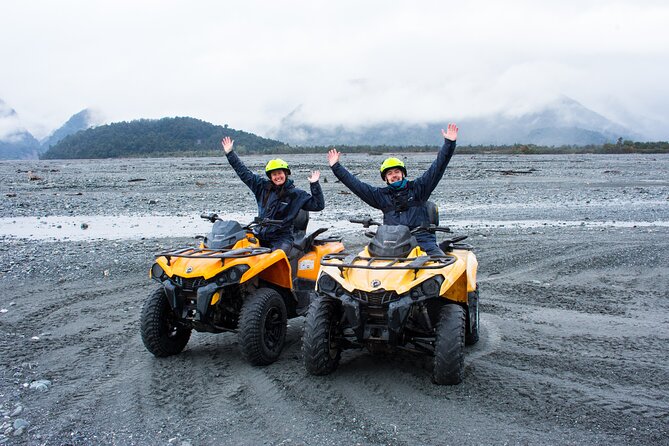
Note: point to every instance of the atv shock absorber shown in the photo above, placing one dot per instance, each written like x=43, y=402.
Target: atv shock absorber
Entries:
x=426, y=316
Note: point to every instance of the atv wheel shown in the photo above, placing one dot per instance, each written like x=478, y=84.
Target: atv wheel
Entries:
x=449, y=354
x=262, y=326
x=161, y=334
x=319, y=341
x=472, y=336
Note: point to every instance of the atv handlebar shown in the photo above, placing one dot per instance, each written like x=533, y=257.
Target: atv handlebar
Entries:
x=431, y=229
x=365, y=222
x=211, y=217
x=260, y=222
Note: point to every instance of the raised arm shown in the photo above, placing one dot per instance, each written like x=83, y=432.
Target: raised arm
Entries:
x=316, y=201
x=253, y=181
x=367, y=193
x=431, y=177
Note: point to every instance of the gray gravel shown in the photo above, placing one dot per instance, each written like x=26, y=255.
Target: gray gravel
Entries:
x=573, y=348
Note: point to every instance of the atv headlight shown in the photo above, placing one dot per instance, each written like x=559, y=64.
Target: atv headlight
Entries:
x=157, y=272
x=431, y=287
x=327, y=283
x=233, y=275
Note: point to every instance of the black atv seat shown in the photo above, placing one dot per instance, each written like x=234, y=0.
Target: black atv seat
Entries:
x=300, y=224
x=432, y=213
x=304, y=244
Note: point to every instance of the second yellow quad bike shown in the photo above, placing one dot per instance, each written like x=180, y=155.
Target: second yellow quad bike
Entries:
x=393, y=295
x=232, y=284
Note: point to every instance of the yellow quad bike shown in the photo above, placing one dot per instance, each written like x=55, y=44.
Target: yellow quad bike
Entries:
x=232, y=284
x=393, y=295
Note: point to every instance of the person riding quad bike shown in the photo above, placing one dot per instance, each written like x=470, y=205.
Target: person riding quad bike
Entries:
x=277, y=197
x=230, y=283
x=402, y=201
x=392, y=295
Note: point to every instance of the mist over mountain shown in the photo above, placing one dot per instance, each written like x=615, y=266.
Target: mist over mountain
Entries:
x=15, y=141
x=18, y=143
x=561, y=122
x=80, y=121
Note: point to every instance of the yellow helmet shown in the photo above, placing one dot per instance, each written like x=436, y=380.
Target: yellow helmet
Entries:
x=276, y=164
x=392, y=163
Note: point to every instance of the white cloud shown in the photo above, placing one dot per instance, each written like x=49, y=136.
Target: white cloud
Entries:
x=249, y=64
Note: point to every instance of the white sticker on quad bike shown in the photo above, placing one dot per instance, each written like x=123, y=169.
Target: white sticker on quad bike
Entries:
x=306, y=264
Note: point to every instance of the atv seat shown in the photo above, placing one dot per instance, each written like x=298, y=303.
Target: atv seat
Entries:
x=300, y=224
x=302, y=242
x=432, y=213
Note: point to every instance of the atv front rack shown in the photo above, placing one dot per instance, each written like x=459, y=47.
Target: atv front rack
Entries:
x=421, y=262
x=203, y=253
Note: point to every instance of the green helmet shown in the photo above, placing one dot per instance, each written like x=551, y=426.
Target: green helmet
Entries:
x=276, y=164
x=392, y=163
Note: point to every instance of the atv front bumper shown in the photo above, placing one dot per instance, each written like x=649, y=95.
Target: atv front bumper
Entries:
x=365, y=322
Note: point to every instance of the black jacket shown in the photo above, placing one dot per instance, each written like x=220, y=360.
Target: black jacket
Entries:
x=277, y=203
x=404, y=206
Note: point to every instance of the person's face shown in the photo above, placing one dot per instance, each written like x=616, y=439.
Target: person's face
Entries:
x=278, y=177
x=394, y=174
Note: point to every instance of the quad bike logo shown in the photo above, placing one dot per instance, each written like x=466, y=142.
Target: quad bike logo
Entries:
x=376, y=283
x=189, y=269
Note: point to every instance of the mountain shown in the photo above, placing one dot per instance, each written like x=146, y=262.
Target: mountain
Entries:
x=80, y=121
x=15, y=141
x=561, y=122
x=161, y=137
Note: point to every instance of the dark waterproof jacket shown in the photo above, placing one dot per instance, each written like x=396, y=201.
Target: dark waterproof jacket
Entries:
x=277, y=203
x=406, y=206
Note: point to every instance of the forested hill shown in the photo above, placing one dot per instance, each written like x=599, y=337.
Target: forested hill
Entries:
x=153, y=138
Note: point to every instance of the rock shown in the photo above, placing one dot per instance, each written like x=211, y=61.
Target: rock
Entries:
x=41, y=384
x=19, y=426
x=84, y=226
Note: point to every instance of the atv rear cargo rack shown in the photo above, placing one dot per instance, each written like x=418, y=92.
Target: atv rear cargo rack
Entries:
x=349, y=261
x=205, y=253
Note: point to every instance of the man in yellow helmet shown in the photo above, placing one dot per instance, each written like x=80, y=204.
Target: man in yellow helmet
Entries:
x=277, y=197
x=403, y=202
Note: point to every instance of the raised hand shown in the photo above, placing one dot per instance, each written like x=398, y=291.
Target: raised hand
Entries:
x=452, y=133
x=228, y=142
x=333, y=157
x=315, y=176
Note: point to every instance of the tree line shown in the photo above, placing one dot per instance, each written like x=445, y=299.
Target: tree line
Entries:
x=184, y=136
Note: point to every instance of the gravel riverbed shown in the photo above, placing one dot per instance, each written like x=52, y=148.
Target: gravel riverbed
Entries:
x=573, y=257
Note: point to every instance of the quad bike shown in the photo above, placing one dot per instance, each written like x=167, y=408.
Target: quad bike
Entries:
x=232, y=284
x=392, y=295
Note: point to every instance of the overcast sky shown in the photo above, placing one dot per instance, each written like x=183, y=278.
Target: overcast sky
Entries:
x=250, y=63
